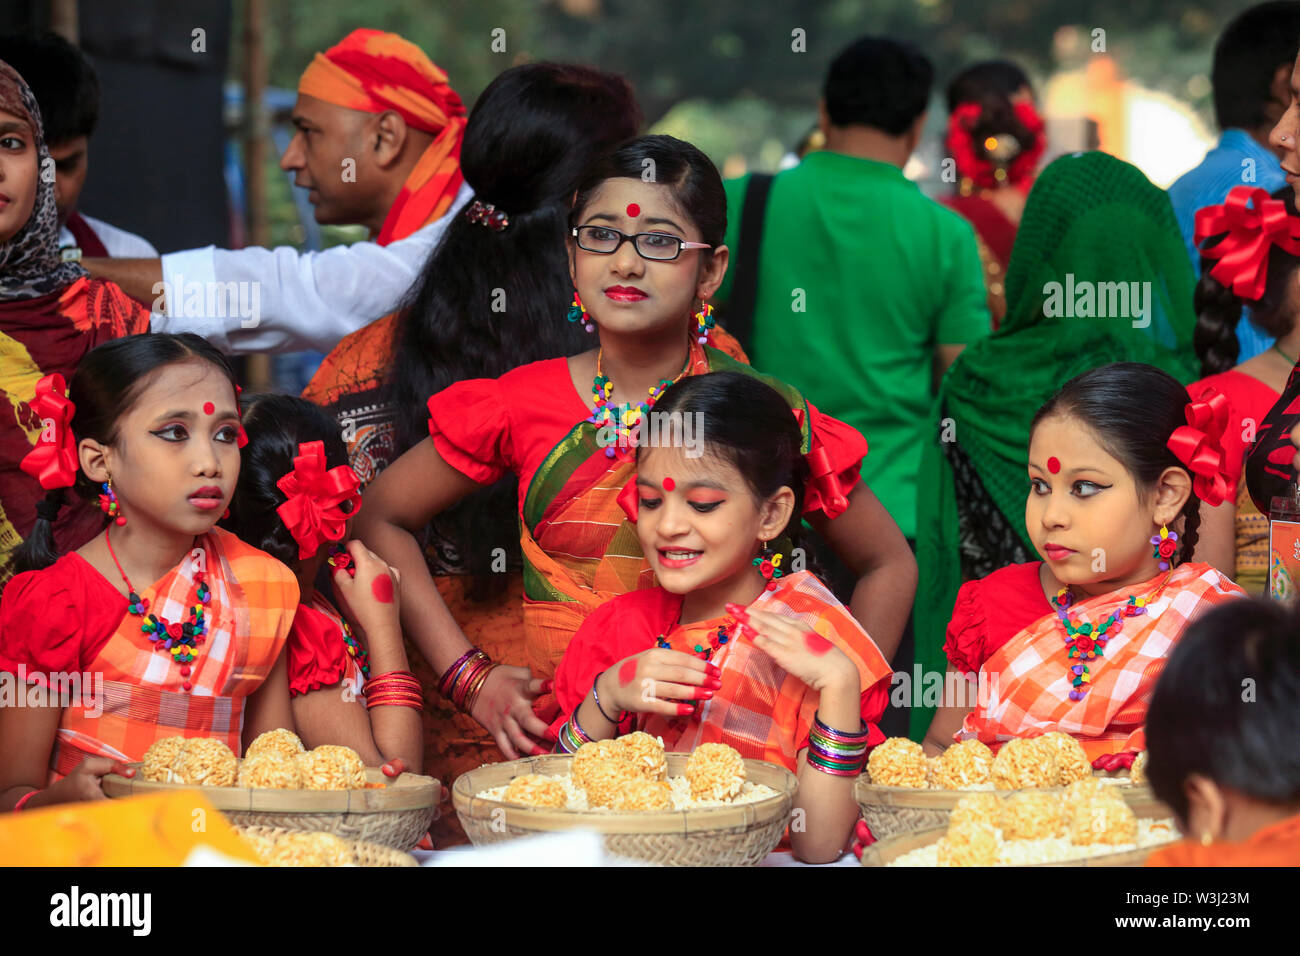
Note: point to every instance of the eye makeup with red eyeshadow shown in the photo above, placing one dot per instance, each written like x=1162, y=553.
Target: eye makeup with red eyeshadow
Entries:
x=706, y=497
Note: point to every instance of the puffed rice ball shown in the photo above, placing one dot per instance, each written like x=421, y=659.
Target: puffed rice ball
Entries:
x=283, y=742
x=158, y=759
x=591, y=757
x=1081, y=791
x=332, y=767
x=978, y=807
x=715, y=772
x=963, y=765
x=205, y=762
x=644, y=795
x=269, y=770
x=932, y=774
x=1023, y=763
x=1031, y=816
x=646, y=754
x=969, y=844
x=310, y=849
x=1138, y=772
x=898, y=762
x=1103, y=819
x=1072, y=761
x=607, y=779
x=536, y=790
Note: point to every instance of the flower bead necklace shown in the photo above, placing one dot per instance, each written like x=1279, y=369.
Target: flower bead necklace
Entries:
x=626, y=417
x=181, y=639
x=355, y=650
x=1084, y=643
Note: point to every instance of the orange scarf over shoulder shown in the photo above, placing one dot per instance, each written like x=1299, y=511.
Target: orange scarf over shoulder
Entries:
x=1028, y=678
x=1276, y=845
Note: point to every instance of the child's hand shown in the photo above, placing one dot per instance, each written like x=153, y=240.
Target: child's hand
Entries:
x=647, y=683
x=372, y=599
x=83, y=783
x=804, y=653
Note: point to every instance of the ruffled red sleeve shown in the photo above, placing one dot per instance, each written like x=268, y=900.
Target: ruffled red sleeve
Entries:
x=469, y=423
x=965, y=645
x=317, y=655
x=835, y=459
x=56, y=620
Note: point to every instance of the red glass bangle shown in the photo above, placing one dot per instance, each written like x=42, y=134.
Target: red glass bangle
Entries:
x=24, y=798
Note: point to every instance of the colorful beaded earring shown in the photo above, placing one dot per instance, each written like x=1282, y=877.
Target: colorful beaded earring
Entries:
x=1165, y=543
x=704, y=323
x=769, y=565
x=578, y=313
x=108, y=503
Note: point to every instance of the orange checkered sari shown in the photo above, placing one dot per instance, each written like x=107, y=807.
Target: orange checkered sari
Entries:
x=253, y=602
x=579, y=547
x=762, y=710
x=1028, y=692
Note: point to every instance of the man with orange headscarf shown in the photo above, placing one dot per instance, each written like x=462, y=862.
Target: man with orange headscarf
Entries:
x=377, y=143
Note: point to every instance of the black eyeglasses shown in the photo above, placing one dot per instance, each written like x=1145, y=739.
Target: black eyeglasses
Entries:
x=649, y=245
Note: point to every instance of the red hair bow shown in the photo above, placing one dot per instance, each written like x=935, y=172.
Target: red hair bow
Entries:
x=1199, y=446
x=1243, y=252
x=824, y=492
x=53, y=462
x=314, y=513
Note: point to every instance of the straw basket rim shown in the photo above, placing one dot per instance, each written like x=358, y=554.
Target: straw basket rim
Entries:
x=681, y=822
x=362, y=849
x=868, y=793
x=409, y=791
x=885, y=851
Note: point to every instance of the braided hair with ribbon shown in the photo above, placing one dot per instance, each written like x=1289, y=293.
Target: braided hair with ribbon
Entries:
x=1250, y=248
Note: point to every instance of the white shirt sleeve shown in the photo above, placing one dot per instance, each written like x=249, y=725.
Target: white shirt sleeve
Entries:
x=282, y=300
x=120, y=243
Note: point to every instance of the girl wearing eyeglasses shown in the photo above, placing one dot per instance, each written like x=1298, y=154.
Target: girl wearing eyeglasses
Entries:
x=645, y=254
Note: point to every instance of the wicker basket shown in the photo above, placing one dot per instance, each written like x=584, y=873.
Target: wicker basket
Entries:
x=738, y=835
x=888, y=850
x=397, y=814
x=895, y=811
x=368, y=854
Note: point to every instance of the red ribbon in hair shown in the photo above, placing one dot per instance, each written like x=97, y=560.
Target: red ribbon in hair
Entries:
x=314, y=513
x=629, y=500
x=1199, y=446
x=53, y=462
x=1243, y=252
x=981, y=170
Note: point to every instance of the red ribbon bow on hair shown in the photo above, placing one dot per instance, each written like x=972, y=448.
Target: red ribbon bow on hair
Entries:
x=1243, y=252
x=53, y=462
x=1199, y=446
x=314, y=514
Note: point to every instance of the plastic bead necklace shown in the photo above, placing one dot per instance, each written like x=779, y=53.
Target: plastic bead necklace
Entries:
x=181, y=640
x=1084, y=643
x=624, y=418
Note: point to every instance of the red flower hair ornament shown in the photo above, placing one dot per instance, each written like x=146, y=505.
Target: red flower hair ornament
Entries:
x=314, y=512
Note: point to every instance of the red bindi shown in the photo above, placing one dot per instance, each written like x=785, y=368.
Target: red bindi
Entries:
x=382, y=588
x=633, y=210
x=627, y=673
x=208, y=408
x=669, y=484
x=816, y=643
x=1053, y=465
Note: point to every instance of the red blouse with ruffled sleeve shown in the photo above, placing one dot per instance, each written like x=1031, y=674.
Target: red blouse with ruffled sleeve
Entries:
x=57, y=620
x=991, y=611
x=486, y=427
x=317, y=653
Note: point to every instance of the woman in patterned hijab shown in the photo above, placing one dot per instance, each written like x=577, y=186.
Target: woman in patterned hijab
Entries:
x=30, y=264
x=51, y=314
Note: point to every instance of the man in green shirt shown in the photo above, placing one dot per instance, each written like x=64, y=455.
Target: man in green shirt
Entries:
x=866, y=289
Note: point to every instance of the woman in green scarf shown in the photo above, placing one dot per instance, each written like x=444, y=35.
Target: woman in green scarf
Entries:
x=1098, y=274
